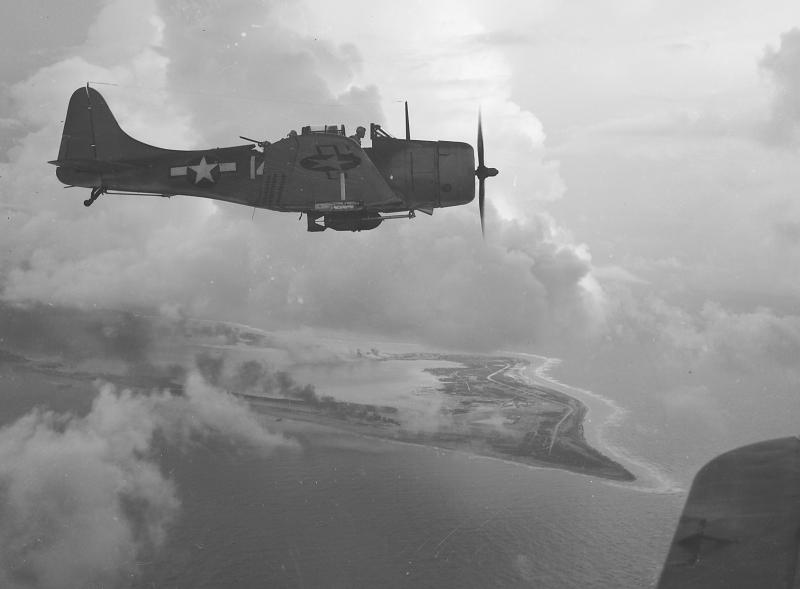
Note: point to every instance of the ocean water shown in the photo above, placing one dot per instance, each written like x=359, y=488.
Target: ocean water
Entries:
x=343, y=510
x=665, y=424
x=351, y=512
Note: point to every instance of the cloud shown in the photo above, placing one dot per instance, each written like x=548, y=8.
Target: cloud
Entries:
x=416, y=409
x=188, y=76
x=617, y=274
x=270, y=77
x=711, y=337
x=746, y=341
x=783, y=67
x=682, y=123
x=663, y=134
x=788, y=232
x=82, y=497
x=75, y=335
x=455, y=290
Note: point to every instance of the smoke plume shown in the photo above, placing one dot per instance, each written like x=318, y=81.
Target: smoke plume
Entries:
x=252, y=377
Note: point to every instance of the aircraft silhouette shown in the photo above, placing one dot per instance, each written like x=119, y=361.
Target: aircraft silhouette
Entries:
x=319, y=172
x=740, y=526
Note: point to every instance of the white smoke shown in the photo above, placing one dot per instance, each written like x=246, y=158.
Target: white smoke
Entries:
x=82, y=497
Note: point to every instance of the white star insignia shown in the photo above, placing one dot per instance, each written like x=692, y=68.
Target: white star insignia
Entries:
x=203, y=171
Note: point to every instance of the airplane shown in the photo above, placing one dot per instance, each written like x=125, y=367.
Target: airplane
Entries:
x=740, y=526
x=319, y=172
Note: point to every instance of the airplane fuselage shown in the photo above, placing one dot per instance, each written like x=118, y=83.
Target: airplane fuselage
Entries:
x=325, y=175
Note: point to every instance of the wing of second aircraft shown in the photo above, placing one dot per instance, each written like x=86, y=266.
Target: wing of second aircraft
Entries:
x=304, y=171
x=740, y=526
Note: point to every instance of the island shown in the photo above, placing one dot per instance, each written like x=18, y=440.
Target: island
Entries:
x=478, y=404
x=490, y=410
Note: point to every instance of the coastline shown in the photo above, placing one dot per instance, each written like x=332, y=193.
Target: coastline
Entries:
x=482, y=407
x=607, y=415
x=282, y=418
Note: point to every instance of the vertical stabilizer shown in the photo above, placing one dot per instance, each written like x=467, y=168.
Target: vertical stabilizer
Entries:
x=92, y=133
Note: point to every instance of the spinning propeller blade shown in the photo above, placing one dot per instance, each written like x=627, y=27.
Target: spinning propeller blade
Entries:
x=482, y=173
x=408, y=127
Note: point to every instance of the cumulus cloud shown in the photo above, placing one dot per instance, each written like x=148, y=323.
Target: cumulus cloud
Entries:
x=200, y=73
x=710, y=337
x=271, y=77
x=788, y=232
x=660, y=134
x=747, y=340
x=75, y=335
x=82, y=497
x=783, y=67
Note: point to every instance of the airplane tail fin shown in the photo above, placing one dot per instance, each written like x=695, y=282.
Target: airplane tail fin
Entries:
x=92, y=138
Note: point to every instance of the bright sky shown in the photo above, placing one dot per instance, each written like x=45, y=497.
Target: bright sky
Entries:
x=648, y=158
x=645, y=225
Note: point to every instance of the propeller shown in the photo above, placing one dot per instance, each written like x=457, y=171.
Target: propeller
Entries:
x=408, y=128
x=482, y=173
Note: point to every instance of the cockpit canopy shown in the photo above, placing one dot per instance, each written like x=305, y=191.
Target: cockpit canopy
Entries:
x=325, y=129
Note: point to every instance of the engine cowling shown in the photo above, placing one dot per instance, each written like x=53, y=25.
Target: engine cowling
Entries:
x=428, y=174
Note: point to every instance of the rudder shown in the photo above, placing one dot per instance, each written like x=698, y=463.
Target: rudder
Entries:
x=92, y=133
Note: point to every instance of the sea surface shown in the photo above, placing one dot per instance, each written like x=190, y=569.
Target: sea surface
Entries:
x=343, y=510
x=349, y=511
x=353, y=512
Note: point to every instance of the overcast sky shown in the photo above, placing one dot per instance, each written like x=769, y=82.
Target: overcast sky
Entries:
x=645, y=225
x=648, y=157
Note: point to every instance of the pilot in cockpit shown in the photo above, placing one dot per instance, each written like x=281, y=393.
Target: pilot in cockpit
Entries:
x=360, y=132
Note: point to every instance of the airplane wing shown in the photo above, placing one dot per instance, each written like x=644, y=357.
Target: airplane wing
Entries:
x=740, y=526
x=320, y=169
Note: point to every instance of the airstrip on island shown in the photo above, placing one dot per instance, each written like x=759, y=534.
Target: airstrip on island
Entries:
x=478, y=404
x=488, y=409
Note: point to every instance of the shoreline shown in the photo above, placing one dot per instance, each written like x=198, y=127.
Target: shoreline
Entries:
x=344, y=345
x=267, y=407
x=485, y=409
x=651, y=477
x=484, y=405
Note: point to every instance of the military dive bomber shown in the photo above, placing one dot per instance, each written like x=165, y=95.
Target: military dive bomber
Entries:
x=319, y=172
